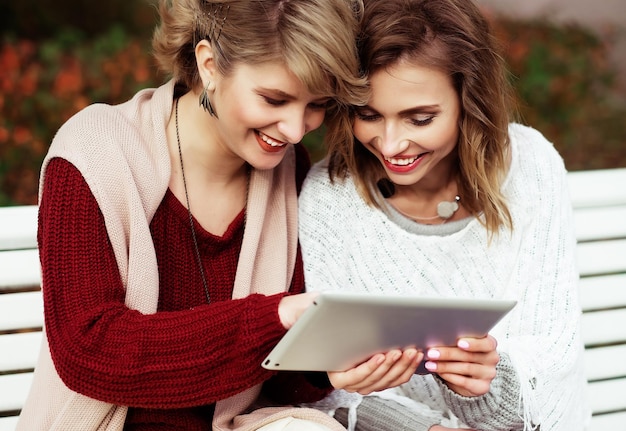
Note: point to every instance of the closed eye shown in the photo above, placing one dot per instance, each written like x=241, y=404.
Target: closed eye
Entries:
x=274, y=102
x=320, y=104
x=366, y=115
x=423, y=120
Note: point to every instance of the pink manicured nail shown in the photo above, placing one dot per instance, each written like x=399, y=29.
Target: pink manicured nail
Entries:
x=430, y=366
x=463, y=344
x=434, y=354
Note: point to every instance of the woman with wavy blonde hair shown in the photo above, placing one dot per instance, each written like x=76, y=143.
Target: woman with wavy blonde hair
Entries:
x=168, y=226
x=439, y=194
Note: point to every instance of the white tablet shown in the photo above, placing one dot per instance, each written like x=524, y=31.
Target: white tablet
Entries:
x=341, y=330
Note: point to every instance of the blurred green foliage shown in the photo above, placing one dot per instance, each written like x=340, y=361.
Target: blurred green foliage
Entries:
x=58, y=57
x=566, y=88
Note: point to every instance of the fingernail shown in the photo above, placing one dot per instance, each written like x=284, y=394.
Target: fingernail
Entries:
x=430, y=366
x=434, y=354
x=463, y=344
x=396, y=356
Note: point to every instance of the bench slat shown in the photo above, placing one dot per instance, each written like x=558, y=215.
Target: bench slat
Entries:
x=21, y=310
x=14, y=391
x=589, y=227
x=602, y=327
x=601, y=187
x=608, y=396
x=608, y=291
x=610, y=422
x=8, y=423
x=19, y=268
x=603, y=257
x=604, y=362
x=19, y=227
x=19, y=351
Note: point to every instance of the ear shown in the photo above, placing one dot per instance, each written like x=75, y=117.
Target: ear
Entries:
x=206, y=64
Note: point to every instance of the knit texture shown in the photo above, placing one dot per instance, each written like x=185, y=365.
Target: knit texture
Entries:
x=104, y=279
x=379, y=414
x=350, y=246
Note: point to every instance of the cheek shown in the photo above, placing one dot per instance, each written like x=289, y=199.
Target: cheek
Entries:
x=450, y=137
x=363, y=131
x=314, y=120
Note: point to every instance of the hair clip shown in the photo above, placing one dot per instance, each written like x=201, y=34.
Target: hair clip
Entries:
x=217, y=23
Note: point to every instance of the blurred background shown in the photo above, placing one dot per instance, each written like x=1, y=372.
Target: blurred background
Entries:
x=567, y=60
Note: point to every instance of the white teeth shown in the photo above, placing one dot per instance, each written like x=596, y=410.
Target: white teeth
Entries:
x=401, y=162
x=270, y=141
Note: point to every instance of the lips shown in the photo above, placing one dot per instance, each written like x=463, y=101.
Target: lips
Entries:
x=403, y=164
x=268, y=143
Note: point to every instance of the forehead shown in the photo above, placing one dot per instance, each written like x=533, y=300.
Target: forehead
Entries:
x=406, y=83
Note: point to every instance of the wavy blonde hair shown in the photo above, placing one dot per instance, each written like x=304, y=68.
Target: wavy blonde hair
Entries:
x=315, y=39
x=451, y=36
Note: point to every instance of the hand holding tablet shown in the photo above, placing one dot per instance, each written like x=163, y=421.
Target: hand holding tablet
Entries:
x=341, y=330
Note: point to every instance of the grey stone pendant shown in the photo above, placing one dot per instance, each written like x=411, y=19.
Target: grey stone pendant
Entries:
x=445, y=209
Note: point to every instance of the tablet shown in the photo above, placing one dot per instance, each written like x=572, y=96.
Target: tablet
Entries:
x=341, y=330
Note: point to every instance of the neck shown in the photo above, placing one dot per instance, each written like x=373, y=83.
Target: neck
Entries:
x=436, y=187
x=435, y=200
x=203, y=150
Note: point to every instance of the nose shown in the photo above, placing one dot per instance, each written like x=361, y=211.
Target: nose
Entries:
x=298, y=122
x=391, y=140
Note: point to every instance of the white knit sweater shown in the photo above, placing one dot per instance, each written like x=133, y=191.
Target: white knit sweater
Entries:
x=348, y=245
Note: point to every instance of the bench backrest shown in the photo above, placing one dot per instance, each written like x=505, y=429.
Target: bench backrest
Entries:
x=599, y=200
x=21, y=308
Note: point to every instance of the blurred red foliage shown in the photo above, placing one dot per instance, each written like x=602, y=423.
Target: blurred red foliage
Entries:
x=43, y=85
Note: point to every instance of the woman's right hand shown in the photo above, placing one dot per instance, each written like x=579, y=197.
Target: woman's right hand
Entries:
x=381, y=371
x=291, y=307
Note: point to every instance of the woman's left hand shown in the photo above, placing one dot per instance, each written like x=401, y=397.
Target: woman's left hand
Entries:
x=381, y=371
x=468, y=368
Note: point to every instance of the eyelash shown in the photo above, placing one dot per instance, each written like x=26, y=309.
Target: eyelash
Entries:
x=323, y=105
x=273, y=102
x=424, y=122
x=316, y=106
x=367, y=117
x=374, y=117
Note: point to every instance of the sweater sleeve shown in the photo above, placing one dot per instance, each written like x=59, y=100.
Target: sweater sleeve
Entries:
x=106, y=351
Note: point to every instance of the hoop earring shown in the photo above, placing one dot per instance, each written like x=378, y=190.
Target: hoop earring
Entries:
x=205, y=102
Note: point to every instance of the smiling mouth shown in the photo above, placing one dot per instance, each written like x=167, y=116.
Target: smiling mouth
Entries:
x=405, y=161
x=270, y=141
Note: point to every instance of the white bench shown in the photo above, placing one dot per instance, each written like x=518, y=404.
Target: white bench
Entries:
x=599, y=199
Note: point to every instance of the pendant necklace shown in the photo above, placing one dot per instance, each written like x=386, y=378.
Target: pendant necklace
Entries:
x=445, y=210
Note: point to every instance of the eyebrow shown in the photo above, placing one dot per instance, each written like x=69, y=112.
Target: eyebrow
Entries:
x=277, y=92
x=420, y=109
x=280, y=93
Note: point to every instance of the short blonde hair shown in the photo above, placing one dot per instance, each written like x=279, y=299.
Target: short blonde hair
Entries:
x=315, y=39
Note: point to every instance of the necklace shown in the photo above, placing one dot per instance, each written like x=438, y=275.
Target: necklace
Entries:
x=205, y=284
x=194, y=236
x=445, y=210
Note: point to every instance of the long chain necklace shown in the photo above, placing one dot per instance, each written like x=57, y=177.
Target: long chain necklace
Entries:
x=205, y=284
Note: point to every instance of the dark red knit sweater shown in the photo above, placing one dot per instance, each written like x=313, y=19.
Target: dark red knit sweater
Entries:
x=172, y=366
